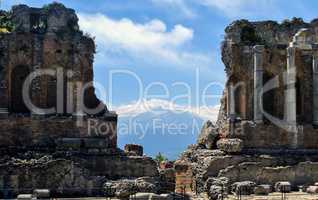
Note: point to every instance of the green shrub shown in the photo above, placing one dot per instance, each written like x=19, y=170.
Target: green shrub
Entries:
x=160, y=158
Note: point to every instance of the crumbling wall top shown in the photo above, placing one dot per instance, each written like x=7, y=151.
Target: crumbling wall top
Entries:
x=271, y=34
x=51, y=18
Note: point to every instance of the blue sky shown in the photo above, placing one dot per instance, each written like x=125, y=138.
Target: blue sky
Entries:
x=167, y=41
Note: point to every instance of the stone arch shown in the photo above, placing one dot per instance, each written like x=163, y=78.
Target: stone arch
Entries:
x=239, y=94
x=18, y=76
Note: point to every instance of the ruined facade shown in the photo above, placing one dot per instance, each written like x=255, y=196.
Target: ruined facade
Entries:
x=46, y=71
x=267, y=126
x=54, y=132
x=271, y=92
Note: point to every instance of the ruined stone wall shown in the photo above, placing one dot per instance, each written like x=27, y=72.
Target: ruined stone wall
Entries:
x=238, y=57
x=47, y=38
x=70, y=177
x=275, y=142
x=184, y=178
x=27, y=132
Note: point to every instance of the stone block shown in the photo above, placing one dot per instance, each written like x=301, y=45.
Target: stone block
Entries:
x=121, y=189
x=220, y=181
x=167, y=196
x=262, y=189
x=93, y=151
x=312, y=189
x=69, y=143
x=134, y=149
x=24, y=197
x=208, y=136
x=181, y=167
x=283, y=187
x=152, y=196
x=41, y=193
x=96, y=143
x=215, y=192
x=230, y=145
x=147, y=184
x=4, y=114
x=243, y=188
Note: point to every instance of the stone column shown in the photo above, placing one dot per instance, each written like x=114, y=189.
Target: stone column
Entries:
x=79, y=99
x=315, y=86
x=230, y=100
x=290, y=97
x=231, y=108
x=258, y=82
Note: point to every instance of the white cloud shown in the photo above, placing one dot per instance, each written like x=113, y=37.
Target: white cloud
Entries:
x=159, y=106
x=177, y=5
x=241, y=8
x=230, y=8
x=150, y=42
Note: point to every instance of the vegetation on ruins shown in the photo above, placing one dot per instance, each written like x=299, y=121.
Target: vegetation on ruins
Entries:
x=249, y=36
x=160, y=158
x=6, y=25
x=48, y=7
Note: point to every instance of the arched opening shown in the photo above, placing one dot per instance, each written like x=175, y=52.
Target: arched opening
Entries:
x=51, y=92
x=299, y=101
x=237, y=97
x=240, y=101
x=18, y=76
x=269, y=96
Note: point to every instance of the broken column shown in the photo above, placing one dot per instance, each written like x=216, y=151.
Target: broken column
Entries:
x=258, y=82
x=315, y=86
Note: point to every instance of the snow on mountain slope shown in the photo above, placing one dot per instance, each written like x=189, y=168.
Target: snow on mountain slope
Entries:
x=161, y=126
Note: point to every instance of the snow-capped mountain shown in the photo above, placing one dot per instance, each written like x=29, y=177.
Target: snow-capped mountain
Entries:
x=161, y=126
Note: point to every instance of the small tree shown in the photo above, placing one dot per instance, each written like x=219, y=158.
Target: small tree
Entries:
x=160, y=158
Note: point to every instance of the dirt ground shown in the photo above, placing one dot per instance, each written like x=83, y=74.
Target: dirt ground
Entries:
x=272, y=196
x=278, y=196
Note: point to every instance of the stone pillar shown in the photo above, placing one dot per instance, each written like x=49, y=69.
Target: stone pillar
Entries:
x=290, y=95
x=315, y=86
x=4, y=111
x=231, y=108
x=258, y=82
x=230, y=100
x=79, y=103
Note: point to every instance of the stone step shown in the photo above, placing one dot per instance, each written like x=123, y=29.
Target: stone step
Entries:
x=4, y=112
